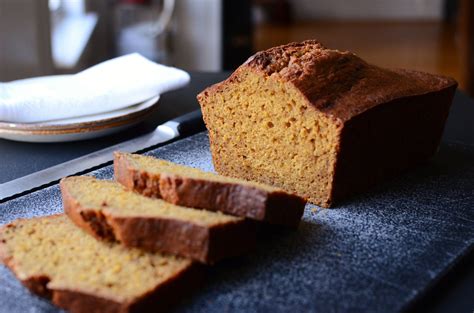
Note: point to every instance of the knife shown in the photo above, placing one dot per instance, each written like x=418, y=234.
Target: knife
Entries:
x=182, y=126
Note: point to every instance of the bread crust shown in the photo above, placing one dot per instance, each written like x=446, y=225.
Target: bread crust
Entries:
x=145, y=183
x=174, y=236
x=275, y=207
x=159, y=299
x=359, y=166
x=336, y=83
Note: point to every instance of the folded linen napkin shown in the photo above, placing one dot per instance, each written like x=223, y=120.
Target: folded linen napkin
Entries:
x=108, y=86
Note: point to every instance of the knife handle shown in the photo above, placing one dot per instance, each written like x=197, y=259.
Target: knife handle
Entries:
x=190, y=123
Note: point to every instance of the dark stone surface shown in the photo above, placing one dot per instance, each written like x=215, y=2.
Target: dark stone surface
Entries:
x=374, y=253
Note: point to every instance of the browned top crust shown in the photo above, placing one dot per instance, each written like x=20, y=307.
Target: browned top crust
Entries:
x=339, y=83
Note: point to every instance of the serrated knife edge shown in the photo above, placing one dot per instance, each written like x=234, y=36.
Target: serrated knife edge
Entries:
x=163, y=133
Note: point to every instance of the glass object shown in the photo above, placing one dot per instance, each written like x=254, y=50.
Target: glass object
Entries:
x=143, y=27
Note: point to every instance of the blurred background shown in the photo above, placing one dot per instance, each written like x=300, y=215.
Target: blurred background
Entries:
x=43, y=37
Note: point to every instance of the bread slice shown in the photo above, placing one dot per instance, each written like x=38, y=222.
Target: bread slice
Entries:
x=108, y=211
x=56, y=260
x=194, y=188
x=323, y=123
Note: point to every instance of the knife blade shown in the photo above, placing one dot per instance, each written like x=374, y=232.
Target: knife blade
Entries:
x=184, y=125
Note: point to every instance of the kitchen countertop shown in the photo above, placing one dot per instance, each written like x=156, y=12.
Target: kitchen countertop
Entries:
x=452, y=294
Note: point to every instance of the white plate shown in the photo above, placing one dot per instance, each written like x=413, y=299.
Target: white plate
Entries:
x=80, y=128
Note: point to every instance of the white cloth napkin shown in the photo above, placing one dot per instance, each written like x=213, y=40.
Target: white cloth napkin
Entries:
x=108, y=86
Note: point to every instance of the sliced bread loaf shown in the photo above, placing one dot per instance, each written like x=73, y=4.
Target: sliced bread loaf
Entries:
x=55, y=259
x=323, y=123
x=192, y=187
x=108, y=211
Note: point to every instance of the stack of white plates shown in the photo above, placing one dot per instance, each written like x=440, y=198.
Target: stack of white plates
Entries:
x=79, y=128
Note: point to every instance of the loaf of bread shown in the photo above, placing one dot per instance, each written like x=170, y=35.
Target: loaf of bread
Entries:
x=106, y=210
x=322, y=123
x=56, y=260
x=192, y=187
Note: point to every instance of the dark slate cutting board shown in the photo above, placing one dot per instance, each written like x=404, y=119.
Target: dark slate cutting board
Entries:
x=375, y=253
